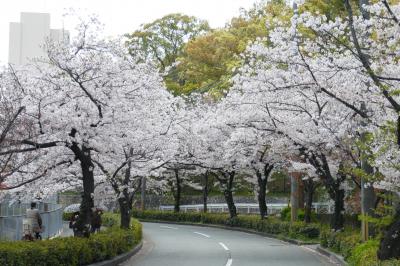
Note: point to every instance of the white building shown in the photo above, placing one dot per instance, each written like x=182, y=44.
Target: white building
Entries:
x=28, y=36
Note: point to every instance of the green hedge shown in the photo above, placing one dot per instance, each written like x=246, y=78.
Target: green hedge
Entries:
x=299, y=230
x=365, y=254
x=67, y=216
x=342, y=243
x=73, y=251
x=286, y=215
x=348, y=244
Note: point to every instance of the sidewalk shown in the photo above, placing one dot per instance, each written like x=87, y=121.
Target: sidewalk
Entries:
x=66, y=231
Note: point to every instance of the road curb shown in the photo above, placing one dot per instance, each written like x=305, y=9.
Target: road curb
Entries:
x=335, y=258
x=332, y=256
x=120, y=258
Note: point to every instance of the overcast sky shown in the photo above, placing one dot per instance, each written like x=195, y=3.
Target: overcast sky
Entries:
x=119, y=16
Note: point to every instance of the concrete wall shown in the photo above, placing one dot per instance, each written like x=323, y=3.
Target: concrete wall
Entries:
x=14, y=50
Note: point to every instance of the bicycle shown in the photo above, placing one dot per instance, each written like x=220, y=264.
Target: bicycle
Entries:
x=28, y=232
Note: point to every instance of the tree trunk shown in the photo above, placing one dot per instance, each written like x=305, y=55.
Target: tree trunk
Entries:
x=205, y=193
x=229, y=196
x=309, y=188
x=125, y=202
x=231, y=204
x=177, y=194
x=227, y=181
x=87, y=203
x=143, y=193
x=262, y=203
x=332, y=185
x=390, y=244
x=125, y=208
x=262, y=181
x=337, y=221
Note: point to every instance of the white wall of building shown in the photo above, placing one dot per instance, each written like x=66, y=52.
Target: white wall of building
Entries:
x=28, y=36
x=14, y=48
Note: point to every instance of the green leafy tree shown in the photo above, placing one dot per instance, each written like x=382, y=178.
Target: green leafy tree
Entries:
x=209, y=61
x=163, y=39
x=330, y=8
x=206, y=63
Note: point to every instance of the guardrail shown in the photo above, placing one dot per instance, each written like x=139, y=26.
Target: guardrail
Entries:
x=247, y=208
x=11, y=218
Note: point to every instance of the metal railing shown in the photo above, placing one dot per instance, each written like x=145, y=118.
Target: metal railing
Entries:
x=11, y=218
x=247, y=208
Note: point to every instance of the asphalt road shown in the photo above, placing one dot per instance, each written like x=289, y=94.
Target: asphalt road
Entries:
x=182, y=245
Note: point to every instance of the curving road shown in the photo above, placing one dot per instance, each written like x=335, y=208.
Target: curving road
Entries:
x=183, y=245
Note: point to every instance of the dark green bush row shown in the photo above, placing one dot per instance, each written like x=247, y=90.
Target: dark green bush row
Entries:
x=365, y=254
x=348, y=244
x=342, y=243
x=286, y=213
x=270, y=225
x=73, y=251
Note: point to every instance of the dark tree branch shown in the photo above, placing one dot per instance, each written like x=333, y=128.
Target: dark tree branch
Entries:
x=10, y=124
x=387, y=6
x=39, y=176
x=365, y=61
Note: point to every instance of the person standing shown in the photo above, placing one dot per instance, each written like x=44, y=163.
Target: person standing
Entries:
x=96, y=220
x=72, y=222
x=35, y=220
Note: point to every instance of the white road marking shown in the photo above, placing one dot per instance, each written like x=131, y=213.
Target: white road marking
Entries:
x=223, y=245
x=229, y=262
x=168, y=227
x=202, y=234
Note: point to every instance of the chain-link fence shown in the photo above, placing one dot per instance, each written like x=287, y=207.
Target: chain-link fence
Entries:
x=11, y=218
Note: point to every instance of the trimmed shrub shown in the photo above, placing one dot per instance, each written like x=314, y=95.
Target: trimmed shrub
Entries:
x=306, y=230
x=286, y=213
x=349, y=245
x=270, y=225
x=365, y=254
x=73, y=251
x=67, y=216
x=342, y=243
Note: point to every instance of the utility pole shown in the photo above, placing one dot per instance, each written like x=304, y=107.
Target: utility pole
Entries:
x=293, y=197
x=294, y=184
x=296, y=194
x=368, y=196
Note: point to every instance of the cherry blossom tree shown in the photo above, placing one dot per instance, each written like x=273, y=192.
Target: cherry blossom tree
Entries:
x=82, y=99
x=305, y=73
x=303, y=98
x=141, y=147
